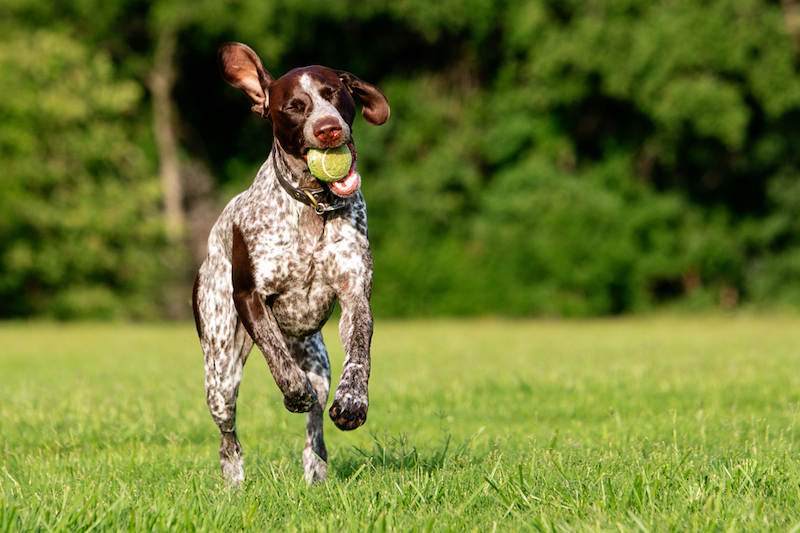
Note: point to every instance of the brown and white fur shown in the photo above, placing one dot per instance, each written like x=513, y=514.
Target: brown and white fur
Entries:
x=275, y=267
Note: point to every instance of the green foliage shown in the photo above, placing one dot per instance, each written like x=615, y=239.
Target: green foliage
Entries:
x=657, y=424
x=79, y=226
x=542, y=158
x=622, y=154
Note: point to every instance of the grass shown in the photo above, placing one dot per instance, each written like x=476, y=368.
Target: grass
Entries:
x=641, y=424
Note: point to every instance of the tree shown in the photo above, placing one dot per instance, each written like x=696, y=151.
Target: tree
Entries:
x=80, y=226
x=543, y=157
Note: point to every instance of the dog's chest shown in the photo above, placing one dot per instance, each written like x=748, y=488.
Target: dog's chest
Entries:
x=295, y=264
x=302, y=297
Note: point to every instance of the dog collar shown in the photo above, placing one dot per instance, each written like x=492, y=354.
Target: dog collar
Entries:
x=319, y=198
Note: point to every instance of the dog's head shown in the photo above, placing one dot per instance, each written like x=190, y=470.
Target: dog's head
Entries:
x=310, y=107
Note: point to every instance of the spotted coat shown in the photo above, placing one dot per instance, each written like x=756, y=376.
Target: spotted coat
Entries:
x=275, y=267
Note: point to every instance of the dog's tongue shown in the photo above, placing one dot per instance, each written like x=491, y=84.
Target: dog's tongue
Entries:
x=350, y=183
x=347, y=185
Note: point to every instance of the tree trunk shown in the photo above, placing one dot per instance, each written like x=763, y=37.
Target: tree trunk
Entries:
x=791, y=11
x=162, y=80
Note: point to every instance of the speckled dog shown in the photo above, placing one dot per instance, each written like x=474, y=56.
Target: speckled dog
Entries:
x=280, y=255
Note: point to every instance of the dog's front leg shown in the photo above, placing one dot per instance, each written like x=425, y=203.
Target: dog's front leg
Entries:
x=298, y=394
x=350, y=404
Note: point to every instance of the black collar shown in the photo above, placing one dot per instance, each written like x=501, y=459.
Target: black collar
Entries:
x=321, y=199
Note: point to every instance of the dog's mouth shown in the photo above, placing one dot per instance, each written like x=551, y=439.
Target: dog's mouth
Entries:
x=349, y=184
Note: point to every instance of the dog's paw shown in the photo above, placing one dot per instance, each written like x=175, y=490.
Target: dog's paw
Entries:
x=230, y=459
x=315, y=470
x=303, y=401
x=348, y=412
x=233, y=470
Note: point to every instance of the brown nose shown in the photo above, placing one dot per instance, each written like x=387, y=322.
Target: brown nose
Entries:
x=327, y=130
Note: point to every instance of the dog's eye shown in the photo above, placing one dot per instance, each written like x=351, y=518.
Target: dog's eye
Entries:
x=327, y=93
x=295, y=105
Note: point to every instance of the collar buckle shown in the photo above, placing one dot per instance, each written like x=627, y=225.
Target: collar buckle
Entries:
x=320, y=206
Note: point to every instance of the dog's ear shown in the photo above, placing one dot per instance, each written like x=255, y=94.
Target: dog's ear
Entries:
x=374, y=105
x=242, y=68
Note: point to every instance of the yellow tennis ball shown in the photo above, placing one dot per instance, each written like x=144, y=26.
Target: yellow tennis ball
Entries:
x=330, y=164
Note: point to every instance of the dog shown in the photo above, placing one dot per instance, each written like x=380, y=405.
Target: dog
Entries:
x=283, y=252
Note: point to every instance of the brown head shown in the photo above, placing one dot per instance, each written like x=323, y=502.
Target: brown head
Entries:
x=309, y=107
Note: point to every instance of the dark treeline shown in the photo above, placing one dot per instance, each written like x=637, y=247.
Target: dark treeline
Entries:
x=565, y=158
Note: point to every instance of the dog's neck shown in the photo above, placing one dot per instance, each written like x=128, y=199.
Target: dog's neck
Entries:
x=293, y=169
x=291, y=174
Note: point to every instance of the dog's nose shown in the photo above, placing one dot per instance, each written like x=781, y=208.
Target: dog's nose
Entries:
x=327, y=131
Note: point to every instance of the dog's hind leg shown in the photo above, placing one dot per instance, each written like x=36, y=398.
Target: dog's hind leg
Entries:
x=311, y=355
x=222, y=404
x=226, y=345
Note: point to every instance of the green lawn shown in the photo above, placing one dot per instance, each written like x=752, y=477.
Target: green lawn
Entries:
x=639, y=424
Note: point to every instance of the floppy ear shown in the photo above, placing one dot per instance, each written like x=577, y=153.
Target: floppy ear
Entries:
x=374, y=105
x=242, y=68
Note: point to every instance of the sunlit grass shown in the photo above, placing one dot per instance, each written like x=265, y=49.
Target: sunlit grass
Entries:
x=652, y=424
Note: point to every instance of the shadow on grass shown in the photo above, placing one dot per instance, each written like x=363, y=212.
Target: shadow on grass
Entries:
x=398, y=453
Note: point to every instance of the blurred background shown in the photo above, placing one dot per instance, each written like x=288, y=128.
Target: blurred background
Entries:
x=543, y=158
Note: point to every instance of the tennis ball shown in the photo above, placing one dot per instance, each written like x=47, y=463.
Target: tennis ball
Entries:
x=330, y=164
